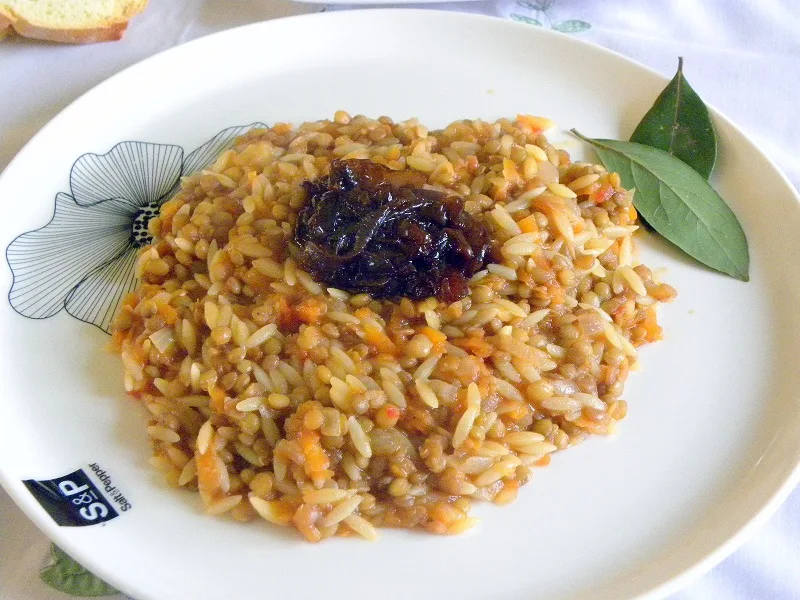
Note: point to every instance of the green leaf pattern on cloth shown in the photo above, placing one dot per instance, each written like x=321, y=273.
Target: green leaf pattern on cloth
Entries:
x=66, y=575
x=524, y=19
x=572, y=26
x=540, y=14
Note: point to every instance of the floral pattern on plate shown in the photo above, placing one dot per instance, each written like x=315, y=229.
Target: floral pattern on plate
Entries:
x=83, y=260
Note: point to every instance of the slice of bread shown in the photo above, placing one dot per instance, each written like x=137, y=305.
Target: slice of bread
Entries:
x=73, y=22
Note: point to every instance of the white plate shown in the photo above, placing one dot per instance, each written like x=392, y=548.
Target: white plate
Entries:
x=710, y=446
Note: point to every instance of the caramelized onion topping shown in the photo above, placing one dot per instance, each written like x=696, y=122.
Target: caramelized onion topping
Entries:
x=369, y=229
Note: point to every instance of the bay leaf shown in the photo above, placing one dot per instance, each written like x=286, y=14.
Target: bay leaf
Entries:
x=679, y=123
x=679, y=204
x=68, y=576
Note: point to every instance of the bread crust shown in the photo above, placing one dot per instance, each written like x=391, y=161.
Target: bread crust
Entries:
x=5, y=23
x=107, y=31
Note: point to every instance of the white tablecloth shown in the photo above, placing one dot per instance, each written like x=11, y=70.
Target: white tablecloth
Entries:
x=741, y=56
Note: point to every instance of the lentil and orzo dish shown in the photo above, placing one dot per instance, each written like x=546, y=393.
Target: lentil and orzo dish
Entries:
x=283, y=398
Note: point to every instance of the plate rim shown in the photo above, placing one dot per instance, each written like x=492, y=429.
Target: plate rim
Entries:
x=742, y=533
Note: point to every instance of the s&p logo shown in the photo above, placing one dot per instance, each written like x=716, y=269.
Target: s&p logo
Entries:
x=72, y=500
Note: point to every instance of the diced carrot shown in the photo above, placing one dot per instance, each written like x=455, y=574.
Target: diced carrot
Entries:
x=135, y=351
x=487, y=386
x=130, y=300
x=217, y=398
x=283, y=510
x=433, y=335
x=556, y=293
x=169, y=314
x=542, y=261
x=508, y=494
x=470, y=445
x=602, y=194
x=379, y=340
x=446, y=513
x=316, y=459
x=456, y=309
x=534, y=124
x=475, y=345
x=363, y=312
x=500, y=190
x=629, y=216
x=597, y=428
x=116, y=340
x=526, y=278
x=208, y=474
x=307, y=439
x=323, y=475
x=590, y=189
x=654, y=331
x=510, y=171
x=528, y=224
x=436, y=527
x=614, y=248
x=460, y=405
x=519, y=412
x=606, y=373
x=618, y=312
x=311, y=311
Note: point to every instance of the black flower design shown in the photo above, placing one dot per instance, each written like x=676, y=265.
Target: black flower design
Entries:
x=83, y=259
